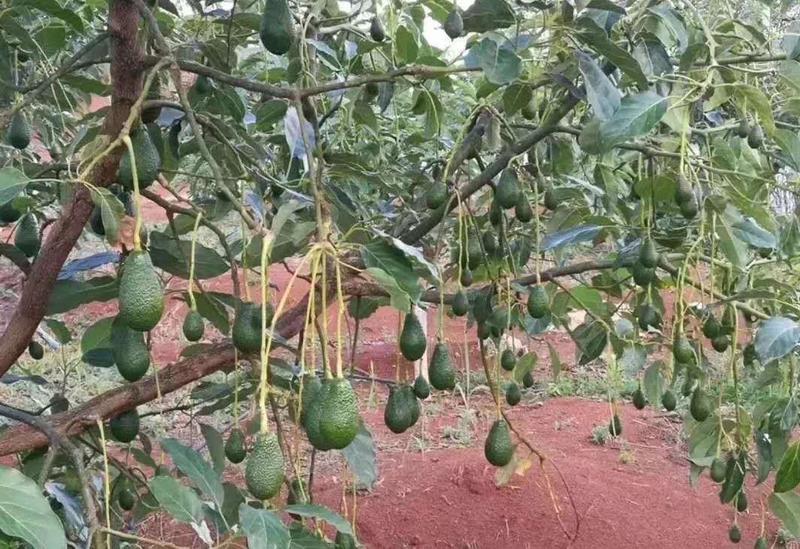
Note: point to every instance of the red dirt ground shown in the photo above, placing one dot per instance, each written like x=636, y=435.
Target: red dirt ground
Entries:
x=630, y=493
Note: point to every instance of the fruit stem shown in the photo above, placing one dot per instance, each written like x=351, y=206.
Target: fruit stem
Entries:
x=191, y=260
x=106, y=479
x=339, y=318
x=137, y=197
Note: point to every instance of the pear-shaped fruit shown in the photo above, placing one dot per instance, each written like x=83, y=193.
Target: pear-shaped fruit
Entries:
x=668, y=400
x=522, y=210
x=460, y=304
x=26, y=237
x=129, y=350
x=402, y=409
x=454, y=24
x=412, y=339
x=498, y=447
x=422, y=388
x=513, y=394
x=36, y=350
x=141, y=296
x=538, y=302
x=717, y=470
x=507, y=192
x=247, y=327
x=441, y=373
x=146, y=157
x=264, y=470
x=277, y=27
x=125, y=426
x=508, y=360
x=615, y=426
x=639, y=400
x=682, y=350
x=436, y=195
x=648, y=255
x=18, y=134
x=376, y=31
x=235, y=446
x=193, y=326
x=700, y=406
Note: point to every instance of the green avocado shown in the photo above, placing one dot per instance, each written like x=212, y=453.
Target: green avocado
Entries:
x=498, y=448
x=474, y=255
x=376, y=30
x=495, y=214
x=529, y=110
x=466, y=278
x=683, y=191
x=734, y=534
x=129, y=350
x=648, y=255
x=642, y=275
x=522, y=209
x=755, y=138
x=507, y=191
x=615, y=426
x=263, y=472
x=482, y=306
x=339, y=419
x=741, y=502
x=717, y=470
x=538, y=302
x=460, y=304
x=203, y=84
x=148, y=161
x=711, y=327
x=639, y=400
x=8, y=213
x=125, y=426
x=422, y=388
x=18, y=134
x=126, y=498
x=743, y=129
x=513, y=394
x=412, y=338
x=246, y=330
x=668, y=400
x=489, y=242
x=550, y=200
x=193, y=326
x=402, y=409
x=761, y=543
x=508, y=360
x=436, y=195
x=720, y=343
x=344, y=541
x=483, y=330
x=141, y=296
x=235, y=447
x=96, y=222
x=277, y=27
x=527, y=380
x=454, y=24
x=647, y=316
x=36, y=350
x=26, y=237
x=441, y=373
x=682, y=350
x=312, y=409
x=700, y=406
x=689, y=209
x=310, y=391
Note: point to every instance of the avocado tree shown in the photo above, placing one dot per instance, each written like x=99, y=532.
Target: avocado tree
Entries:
x=507, y=163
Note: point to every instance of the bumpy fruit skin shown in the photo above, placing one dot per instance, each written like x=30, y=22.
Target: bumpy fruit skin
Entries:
x=717, y=470
x=277, y=28
x=193, y=326
x=402, y=409
x=36, y=350
x=263, y=473
x=734, y=534
x=436, y=196
x=513, y=394
x=615, y=426
x=648, y=255
x=639, y=400
x=19, y=132
x=339, y=419
x=508, y=360
x=527, y=380
x=129, y=350
x=247, y=328
x=642, y=275
x=141, y=297
x=668, y=400
x=310, y=391
x=538, y=302
x=682, y=350
x=507, y=192
x=700, y=405
x=422, y=388
x=441, y=373
x=26, y=237
x=125, y=426
x=412, y=338
x=460, y=304
x=235, y=447
x=454, y=24
x=711, y=327
x=344, y=541
x=312, y=415
x=498, y=448
x=376, y=30
x=522, y=210
x=148, y=161
x=8, y=213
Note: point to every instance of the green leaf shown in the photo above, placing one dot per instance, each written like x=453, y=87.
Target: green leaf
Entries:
x=264, y=529
x=789, y=142
x=216, y=447
x=776, y=337
x=362, y=458
x=60, y=330
x=791, y=41
x=525, y=364
x=788, y=475
x=178, y=500
x=398, y=297
x=555, y=361
x=26, y=514
x=270, y=113
x=54, y=9
x=786, y=507
x=517, y=96
x=321, y=513
x=12, y=182
x=365, y=116
x=590, y=338
x=654, y=382
x=636, y=116
x=734, y=477
x=192, y=464
x=96, y=343
x=382, y=255
x=500, y=65
x=406, y=46
x=602, y=94
x=86, y=85
x=730, y=245
x=596, y=38
x=172, y=255
x=111, y=211
x=755, y=100
x=212, y=310
x=69, y=294
x=750, y=232
x=486, y=15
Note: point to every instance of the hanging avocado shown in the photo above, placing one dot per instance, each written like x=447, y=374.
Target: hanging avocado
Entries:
x=441, y=373
x=513, y=394
x=522, y=210
x=402, y=409
x=639, y=400
x=26, y=237
x=412, y=338
x=129, y=350
x=755, y=138
x=35, y=350
x=643, y=276
x=235, y=446
x=499, y=448
x=743, y=129
x=538, y=302
x=507, y=192
x=508, y=360
x=376, y=30
x=422, y=388
x=18, y=134
x=717, y=470
x=460, y=304
x=339, y=419
x=247, y=328
x=312, y=414
x=141, y=296
x=454, y=24
x=648, y=255
x=700, y=405
x=8, y=213
x=125, y=426
x=264, y=470
x=615, y=426
x=193, y=326
x=277, y=27
x=436, y=196
x=668, y=400
x=148, y=161
x=682, y=350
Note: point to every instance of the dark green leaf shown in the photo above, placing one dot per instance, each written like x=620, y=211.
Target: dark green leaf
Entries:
x=517, y=96
x=602, y=94
x=500, y=65
x=178, y=500
x=12, y=182
x=776, y=338
x=786, y=507
x=788, y=475
x=590, y=338
x=264, y=529
x=486, y=15
x=69, y=294
x=172, y=255
x=54, y=9
x=192, y=464
x=362, y=458
x=215, y=445
x=26, y=514
x=321, y=513
x=596, y=38
x=406, y=45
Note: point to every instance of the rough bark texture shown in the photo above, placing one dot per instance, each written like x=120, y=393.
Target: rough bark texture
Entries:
x=126, y=77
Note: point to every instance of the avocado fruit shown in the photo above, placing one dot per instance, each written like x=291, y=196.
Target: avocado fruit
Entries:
x=125, y=426
x=643, y=276
x=508, y=360
x=466, y=278
x=513, y=394
x=682, y=350
x=8, y=213
x=339, y=419
x=309, y=392
x=460, y=305
x=550, y=200
x=474, y=255
x=203, y=84
x=126, y=497
x=648, y=255
x=648, y=316
x=755, y=137
x=344, y=541
x=18, y=134
x=717, y=470
x=711, y=327
x=761, y=543
x=246, y=332
x=743, y=129
x=36, y=350
x=489, y=242
x=312, y=414
x=141, y=296
x=529, y=110
x=483, y=331
x=700, y=406
x=148, y=161
x=412, y=338
x=741, y=502
x=263, y=473
x=639, y=400
x=193, y=326
x=538, y=302
x=436, y=195
x=720, y=343
x=376, y=31
x=668, y=400
x=495, y=214
x=441, y=374
x=527, y=380
x=235, y=446
x=129, y=350
x=402, y=409
x=683, y=191
x=422, y=389
x=277, y=27
x=615, y=426
x=454, y=24
x=507, y=191
x=498, y=447
x=522, y=209
x=734, y=534
x=26, y=237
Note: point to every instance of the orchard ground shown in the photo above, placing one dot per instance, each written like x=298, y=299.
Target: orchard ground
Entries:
x=435, y=487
